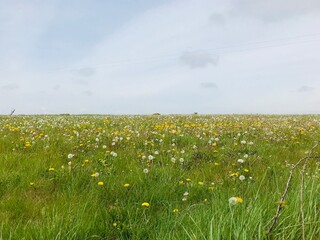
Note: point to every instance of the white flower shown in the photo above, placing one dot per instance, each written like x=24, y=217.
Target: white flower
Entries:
x=194, y=147
x=173, y=160
x=156, y=152
x=246, y=156
x=145, y=170
x=150, y=157
x=182, y=151
x=186, y=194
x=70, y=155
x=216, y=139
x=104, y=146
x=250, y=143
x=143, y=157
x=113, y=154
x=181, y=160
x=243, y=142
x=240, y=160
x=69, y=163
x=241, y=177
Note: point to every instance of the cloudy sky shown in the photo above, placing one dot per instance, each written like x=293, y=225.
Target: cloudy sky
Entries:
x=166, y=56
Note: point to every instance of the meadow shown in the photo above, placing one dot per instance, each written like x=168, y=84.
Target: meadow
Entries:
x=159, y=177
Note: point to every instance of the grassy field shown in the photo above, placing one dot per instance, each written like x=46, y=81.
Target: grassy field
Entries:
x=158, y=177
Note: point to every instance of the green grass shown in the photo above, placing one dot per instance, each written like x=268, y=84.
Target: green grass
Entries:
x=188, y=183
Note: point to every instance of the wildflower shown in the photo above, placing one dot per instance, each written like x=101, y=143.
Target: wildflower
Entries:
x=243, y=142
x=181, y=160
x=234, y=174
x=173, y=160
x=150, y=157
x=240, y=160
x=235, y=200
x=156, y=152
x=241, y=177
x=200, y=183
x=100, y=183
x=246, y=170
x=114, y=224
x=188, y=180
x=31, y=184
x=86, y=161
x=126, y=185
x=175, y=210
x=145, y=170
x=145, y=204
x=70, y=155
x=181, y=182
x=186, y=194
x=70, y=163
x=246, y=156
x=51, y=169
x=95, y=174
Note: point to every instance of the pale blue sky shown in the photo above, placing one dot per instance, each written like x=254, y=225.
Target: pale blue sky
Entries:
x=170, y=56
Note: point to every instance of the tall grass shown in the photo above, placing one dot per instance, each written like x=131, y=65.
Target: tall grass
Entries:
x=185, y=167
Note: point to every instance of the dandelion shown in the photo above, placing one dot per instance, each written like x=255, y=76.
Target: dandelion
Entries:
x=181, y=160
x=145, y=170
x=200, y=183
x=86, y=161
x=246, y=156
x=175, y=210
x=114, y=224
x=31, y=184
x=234, y=174
x=51, y=169
x=243, y=142
x=173, y=160
x=126, y=185
x=156, y=152
x=100, y=183
x=95, y=174
x=241, y=177
x=70, y=155
x=240, y=160
x=145, y=204
x=235, y=200
x=150, y=157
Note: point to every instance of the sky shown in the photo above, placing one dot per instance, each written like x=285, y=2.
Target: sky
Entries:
x=164, y=56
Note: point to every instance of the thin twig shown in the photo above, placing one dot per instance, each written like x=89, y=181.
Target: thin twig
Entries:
x=280, y=206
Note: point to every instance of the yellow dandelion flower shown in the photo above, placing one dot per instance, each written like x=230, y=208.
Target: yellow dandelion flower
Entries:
x=114, y=224
x=126, y=185
x=188, y=180
x=51, y=169
x=100, y=183
x=86, y=161
x=145, y=204
x=200, y=183
x=175, y=210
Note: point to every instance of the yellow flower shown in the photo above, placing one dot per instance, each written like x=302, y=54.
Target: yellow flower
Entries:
x=175, y=210
x=145, y=204
x=234, y=174
x=51, y=169
x=239, y=199
x=246, y=170
x=114, y=224
x=188, y=180
x=200, y=183
x=86, y=161
x=31, y=184
x=126, y=185
x=100, y=183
